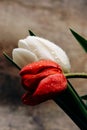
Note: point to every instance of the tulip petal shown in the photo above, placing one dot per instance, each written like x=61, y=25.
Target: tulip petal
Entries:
x=58, y=54
x=47, y=89
x=36, y=47
x=33, y=73
x=22, y=57
x=38, y=66
x=23, y=44
x=44, y=49
x=30, y=81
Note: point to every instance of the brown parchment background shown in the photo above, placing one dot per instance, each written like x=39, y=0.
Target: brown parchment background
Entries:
x=50, y=19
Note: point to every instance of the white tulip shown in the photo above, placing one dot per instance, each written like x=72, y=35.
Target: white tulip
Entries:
x=34, y=48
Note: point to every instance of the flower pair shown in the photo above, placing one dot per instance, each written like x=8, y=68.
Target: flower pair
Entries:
x=41, y=74
x=42, y=66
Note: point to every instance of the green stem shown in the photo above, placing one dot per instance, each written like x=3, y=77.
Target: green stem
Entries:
x=76, y=75
x=72, y=104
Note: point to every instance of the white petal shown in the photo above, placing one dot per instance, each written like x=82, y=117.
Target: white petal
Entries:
x=36, y=47
x=58, y=54
x=23, y=44
x=45, y=49
x=23, y=57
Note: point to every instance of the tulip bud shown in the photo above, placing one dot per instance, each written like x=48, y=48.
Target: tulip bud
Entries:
x=57, y=53
x=43, y=80
x=39, y=48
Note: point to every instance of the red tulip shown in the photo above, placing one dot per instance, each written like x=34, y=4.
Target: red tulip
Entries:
x=43, y=80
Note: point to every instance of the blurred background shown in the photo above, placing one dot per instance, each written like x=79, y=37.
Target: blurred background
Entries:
x=49, y=19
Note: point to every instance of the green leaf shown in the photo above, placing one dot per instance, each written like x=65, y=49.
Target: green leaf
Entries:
x=73, y=105
x=80, y=39
x=8, y=58
x=31, y=33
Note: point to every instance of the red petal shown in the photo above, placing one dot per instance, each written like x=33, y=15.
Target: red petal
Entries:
x=51, y=85
x=28, y=99
x=48, y=88
x=38, y=66
x=30, y=81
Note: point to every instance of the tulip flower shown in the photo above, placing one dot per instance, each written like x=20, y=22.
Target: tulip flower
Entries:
x=34, y=48
x=43, y=66
x=43, y=80
x=42, y=63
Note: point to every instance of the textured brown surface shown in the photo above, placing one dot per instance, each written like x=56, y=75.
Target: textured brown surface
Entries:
x=51, y=20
